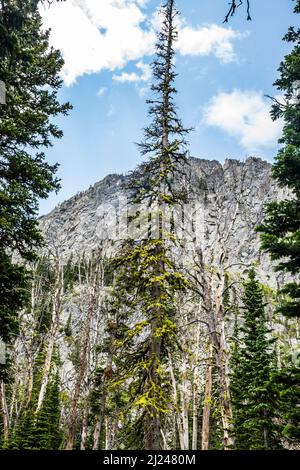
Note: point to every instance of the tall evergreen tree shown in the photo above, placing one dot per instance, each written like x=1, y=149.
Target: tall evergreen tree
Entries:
x=13, y=295
x=29, y=68
x=280, y=230
x=147, y=279
x=253, y=396
x=287, y=381
x=47, y=433
x=281, y=226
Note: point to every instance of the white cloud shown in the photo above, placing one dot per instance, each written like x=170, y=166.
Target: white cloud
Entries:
x=206, y=40
x=135, y=77
x=102, y=91
x=244, y=115
x=96, y=35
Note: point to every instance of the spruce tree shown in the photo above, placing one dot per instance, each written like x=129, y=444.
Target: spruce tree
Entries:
x=287, y=382
x=29, y=68
x=13, y=296
x=39, y=430
x=254, y=399
x=147, y=279
x=47, y=433
x=281, y=226
x=280, y=230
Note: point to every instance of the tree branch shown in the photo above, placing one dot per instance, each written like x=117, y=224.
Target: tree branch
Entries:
x=234, y=6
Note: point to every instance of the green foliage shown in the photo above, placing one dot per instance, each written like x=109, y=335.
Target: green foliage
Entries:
x=30, y=70
x=24, y=436
x=68, y=327
x=254, y=398
x=39, y=429
x=47, y=433
x=281, y=226
x=216, y=433
x=44, y=277
x=147, y=279
x=27, y=67
x=13, y=295
x=287, y=382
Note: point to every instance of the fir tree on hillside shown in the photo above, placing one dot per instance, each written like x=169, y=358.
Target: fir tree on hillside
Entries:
x=29, y=68
x=280, y=230
x=281, y=226
x=47, y=433
x=254, y=399
x=148, y=279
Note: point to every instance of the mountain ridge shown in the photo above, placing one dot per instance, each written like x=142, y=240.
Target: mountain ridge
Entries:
x=231, y=196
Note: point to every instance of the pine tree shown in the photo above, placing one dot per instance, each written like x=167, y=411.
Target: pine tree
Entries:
x=287, y=382
x=255, y=402
x=47, y=431
x=148, y=279
x=23, y=437
x=29, y=68
x=281, y=226
x=13, y=296
x=39, y=429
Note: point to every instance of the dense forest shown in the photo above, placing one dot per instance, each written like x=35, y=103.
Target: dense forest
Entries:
x=151, y=341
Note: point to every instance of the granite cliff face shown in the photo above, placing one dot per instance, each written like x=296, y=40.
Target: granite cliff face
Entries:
x=230, y=197
x=226, y=203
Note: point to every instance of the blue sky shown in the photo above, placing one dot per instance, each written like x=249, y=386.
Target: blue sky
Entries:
x=224, y=72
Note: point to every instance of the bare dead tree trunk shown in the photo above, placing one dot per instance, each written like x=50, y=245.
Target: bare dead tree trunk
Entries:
x=110, y=432
x=82, y=361
x=195, y=391
x=222, y=368
x=107, y=434
x=100, y=417
x=217, y=287
x=55, y=318
x=165, y=444
x=30, y=352
x=212, y=287
x=176, y=403
x=98, y=425
x=84, y=432
x=185, y=409
x=207, y=401
x=195, y=418
x=5, y=413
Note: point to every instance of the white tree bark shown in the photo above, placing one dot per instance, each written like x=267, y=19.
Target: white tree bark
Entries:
x=55, y=320
x=83, y=359
x=5, y=413
x=207, y=401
